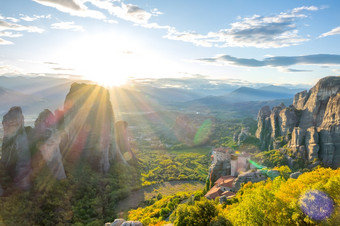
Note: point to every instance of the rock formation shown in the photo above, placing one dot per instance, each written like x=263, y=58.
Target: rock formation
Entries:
x=16, y=156
x=122, y=222
x=295, y=175
x=89, y=123
x=242, y=136
x=84, y=130
x=252, y=176
x=218, y=169
x=310, y=127
x=121, y=131
x=47, y=140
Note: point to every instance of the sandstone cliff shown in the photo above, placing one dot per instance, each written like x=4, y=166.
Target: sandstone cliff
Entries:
x=310, y=127
x=83, y=131
x=46, y=139
x=122, y=135
x=16, y=156
x=89, y=123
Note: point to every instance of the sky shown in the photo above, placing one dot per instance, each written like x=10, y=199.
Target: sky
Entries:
x=111, y=41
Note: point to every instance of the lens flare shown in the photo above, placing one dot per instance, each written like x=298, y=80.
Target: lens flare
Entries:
x=316, y=204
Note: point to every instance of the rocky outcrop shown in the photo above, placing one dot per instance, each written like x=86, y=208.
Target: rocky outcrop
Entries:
x=122, y=139
x=295, y=175
x=264, y=128
x=219, y=169
x=252, y=176
x=89, y=123
x=122, y=222
x=47, y=140
x=84, y=130
x=310, y=127
x=16, y=156
x=244, y=134
x=300, y=99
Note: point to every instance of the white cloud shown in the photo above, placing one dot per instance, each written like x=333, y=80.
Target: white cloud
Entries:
x=67, y=26
x=156, y=12
x=17, y=27
x=10, y=34
x=280, y=62
x=73, y=7
x=335, y=31
x=111, y=21
x=5, y=42
x=34, y=17
x=124, y=11
x=256, y=31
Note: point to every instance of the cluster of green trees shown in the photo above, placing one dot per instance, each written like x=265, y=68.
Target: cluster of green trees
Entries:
x=158, y=166
x=226, y=128
x=274, y=202
x=84, y=198
x=161, y=208
x=272, y=158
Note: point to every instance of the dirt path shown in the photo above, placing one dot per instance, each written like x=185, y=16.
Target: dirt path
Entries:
x=166, y=188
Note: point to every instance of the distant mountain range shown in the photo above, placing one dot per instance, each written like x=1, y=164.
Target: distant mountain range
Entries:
x=246, y=94
x=34, y=94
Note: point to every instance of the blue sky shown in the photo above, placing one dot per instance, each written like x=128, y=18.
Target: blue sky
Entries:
x=109, y=41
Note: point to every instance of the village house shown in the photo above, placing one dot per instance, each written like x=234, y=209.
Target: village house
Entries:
x=223, y=187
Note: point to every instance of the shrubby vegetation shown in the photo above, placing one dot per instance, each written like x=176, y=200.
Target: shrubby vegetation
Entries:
x=274, y=202
x=158, y=166
x=160, y=208
x=84, y=198
x=272, y=158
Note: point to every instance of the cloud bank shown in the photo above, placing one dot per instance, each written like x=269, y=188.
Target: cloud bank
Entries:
x=256, y=31
x=280, y=61
x=73, y=7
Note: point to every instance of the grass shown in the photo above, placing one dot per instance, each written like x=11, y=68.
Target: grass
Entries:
x=198, y=150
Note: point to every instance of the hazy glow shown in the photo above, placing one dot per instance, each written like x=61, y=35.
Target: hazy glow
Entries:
x=111, y=59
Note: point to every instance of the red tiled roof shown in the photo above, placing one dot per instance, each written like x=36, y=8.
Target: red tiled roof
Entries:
x=225, y=181
x=214, y=192
x=228, y=193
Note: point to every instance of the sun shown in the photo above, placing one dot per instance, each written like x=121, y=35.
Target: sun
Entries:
x=112, y=59
x=107, y=59
x=109, y=82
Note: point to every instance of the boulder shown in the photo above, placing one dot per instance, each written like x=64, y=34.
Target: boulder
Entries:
x=244, y=178
x=118, y=222
x=295, y=175
x=132, y=223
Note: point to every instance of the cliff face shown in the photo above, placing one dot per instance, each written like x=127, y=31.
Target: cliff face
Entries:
x=47, y=142
x=89, y=123
x=311, y=126
x=16, y=156
x=83, y=131
x=123, y=144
